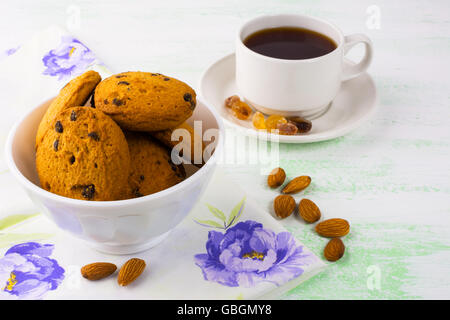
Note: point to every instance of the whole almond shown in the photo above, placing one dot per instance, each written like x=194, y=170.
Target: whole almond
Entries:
x=334, y=250
x=333, y=228
x=98, y=270
x=309, y=211
x=297, y=184
x=130, y=271
x=276, y=177
x=284, y=205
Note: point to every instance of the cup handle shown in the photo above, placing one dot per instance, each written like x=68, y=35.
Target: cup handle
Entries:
x=350, y=41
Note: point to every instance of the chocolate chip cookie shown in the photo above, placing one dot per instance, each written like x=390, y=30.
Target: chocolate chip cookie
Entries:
x=143, y=101
x=84, y=155
x=74, y=93
x=152, y=169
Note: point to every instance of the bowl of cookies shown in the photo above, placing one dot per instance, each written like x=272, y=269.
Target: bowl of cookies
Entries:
x=117, y=162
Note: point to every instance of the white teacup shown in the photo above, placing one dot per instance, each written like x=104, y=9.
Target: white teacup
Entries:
x=303, y=87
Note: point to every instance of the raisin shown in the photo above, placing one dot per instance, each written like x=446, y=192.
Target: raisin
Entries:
x=73, y=116
x=166, y=79
x=259, y=121
x=142, y=177
x=123, y=82
x=94, y=135
x=187, y=97
x=241, y=110
x=302, y=124
x=55, y=145
x=105, y=101
x=117, y=102
x=287, y=128
x=120, y=76
x=58, y=127
x=72, y=159
x=88, y=191
x=273, y=121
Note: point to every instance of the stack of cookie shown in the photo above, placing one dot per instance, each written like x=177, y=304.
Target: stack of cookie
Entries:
x=119, y=147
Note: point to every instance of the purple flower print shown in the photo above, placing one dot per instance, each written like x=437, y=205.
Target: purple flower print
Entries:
x=8, y=52
x=70, y=58
x=11, y=51
x=247, y=254
x=26, y=271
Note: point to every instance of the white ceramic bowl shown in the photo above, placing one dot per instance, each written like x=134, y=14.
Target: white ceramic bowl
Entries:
x=117, y=227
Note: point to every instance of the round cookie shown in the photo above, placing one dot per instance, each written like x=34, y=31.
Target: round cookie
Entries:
x=194, y=145
x=152, y=170
x=143, y=101
x=84, y=155
x=75, y=93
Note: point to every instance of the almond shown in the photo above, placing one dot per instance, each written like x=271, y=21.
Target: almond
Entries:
x=283, y=206
x=334, y=250
x=297, y=184
x=98, y=270
x=276, y=177
x=333, y=228
x=130, y=271
x=309, y=211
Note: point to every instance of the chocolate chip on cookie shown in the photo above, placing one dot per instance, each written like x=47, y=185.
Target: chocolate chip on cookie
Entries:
x=58, y=127
x=187, y=97
x=137, y=194
x=94, y=135
x=117, y=102
x=88, y=191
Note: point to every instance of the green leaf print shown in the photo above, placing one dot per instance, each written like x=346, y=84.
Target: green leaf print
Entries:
x=216, y=212
x=14, y=219
x=225, y=223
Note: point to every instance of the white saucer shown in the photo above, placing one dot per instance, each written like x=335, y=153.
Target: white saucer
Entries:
x=355, y=103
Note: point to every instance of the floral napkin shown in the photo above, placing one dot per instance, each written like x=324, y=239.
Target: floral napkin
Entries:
x=226, y=248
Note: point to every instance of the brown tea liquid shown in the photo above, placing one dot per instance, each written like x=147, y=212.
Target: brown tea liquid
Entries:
x=291, y=43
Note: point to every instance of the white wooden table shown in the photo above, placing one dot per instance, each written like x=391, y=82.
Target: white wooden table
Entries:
x=390, y=178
